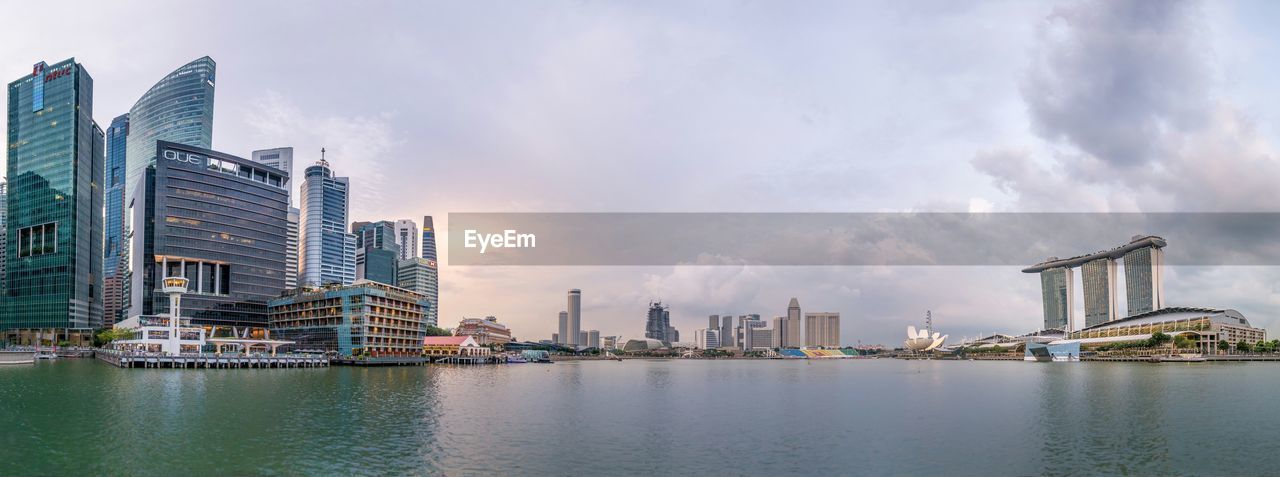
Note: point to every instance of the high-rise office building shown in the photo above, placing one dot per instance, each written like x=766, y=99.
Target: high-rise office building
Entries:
x=706, y=338
x=1144, y=279
x=673, y=334
x=327, y=253
x=428, y=238
x=727, y=338
x=179, y=109
x=793, y=337
x=291, y=251
x=377, y=253
x=822, y=329
x=428, y=252
x=758, y=339
x=779, y=339
x=564, y=328
x=55, y=229
x=658, y=323
x=419, y=276
x=747, y=324
x=115, y=265
x=218, y=220
x=593, y=339
x=713, y=322
x=1056, y=288
x=575, y=317
x=4, y=240
x=280, y=158
x=1098, y=278
x=407, y=237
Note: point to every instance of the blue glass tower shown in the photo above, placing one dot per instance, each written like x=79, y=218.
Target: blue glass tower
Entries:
x=327, y=253
x=54, y=237
x=179, y=108
x=115, y=263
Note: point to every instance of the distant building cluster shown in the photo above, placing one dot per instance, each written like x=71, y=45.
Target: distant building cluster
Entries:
x=751, y=333
x=571, y=333
x=98, y=219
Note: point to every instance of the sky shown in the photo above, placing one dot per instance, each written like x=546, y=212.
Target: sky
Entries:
x=730, y=106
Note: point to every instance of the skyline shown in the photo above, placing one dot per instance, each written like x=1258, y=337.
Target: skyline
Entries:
x=542, y=109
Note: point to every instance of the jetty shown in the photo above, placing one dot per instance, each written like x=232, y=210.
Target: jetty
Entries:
x=125, y=359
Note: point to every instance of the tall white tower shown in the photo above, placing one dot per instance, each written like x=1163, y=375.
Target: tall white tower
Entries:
x=575, y=318
x=407, y=237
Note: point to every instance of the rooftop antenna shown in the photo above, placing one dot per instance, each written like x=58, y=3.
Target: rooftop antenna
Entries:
x=323, y=162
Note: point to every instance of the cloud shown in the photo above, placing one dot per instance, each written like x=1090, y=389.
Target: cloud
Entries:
x=356, y=146
x=1123, y=95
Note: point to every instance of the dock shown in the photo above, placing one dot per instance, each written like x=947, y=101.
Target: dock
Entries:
x=208, y=361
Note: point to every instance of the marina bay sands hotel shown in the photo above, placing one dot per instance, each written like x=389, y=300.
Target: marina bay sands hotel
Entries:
x=1143, y=280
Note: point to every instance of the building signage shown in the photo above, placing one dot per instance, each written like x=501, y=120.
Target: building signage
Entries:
x=184, y=157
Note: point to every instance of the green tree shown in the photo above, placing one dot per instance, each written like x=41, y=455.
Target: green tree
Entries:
x=1159, y=338
x=437, y=331
x=1182, y=341
x=1223, y=345
x=1242, y=346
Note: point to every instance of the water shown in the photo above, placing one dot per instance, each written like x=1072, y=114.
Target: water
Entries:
x=865, y=417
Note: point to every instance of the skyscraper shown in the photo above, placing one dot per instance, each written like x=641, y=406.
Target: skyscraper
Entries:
x=1056, y=285
x=428, y=238
x=575, y=317
x=727, y=338
x=593, y=338
x=429, y=253
x=793, y=337
x=419, y=276
x=778, y=339
x=233, y=255
x=822, y=329
x=115, y=265
x=658, y=322
x=407, y=237
x=1098, y=278
x=377, y=252
x=1144, y=279
x=280, y=158
x=327, y=253
x=564, y=328
x=4, y=240
x=55, y=230
x=178, y=108
x=291, y=251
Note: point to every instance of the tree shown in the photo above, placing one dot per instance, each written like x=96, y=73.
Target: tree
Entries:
x=1182, y=341
x=437, y=331
x=1223, y=345
x=1159, y=338
x=1242, y=346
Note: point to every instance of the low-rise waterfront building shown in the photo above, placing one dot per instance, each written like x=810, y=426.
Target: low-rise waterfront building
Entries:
x=365, y=318
x=1206, y=326
x=486, y=331
x=451, y=346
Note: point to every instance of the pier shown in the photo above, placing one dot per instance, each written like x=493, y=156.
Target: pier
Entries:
x=208, y=361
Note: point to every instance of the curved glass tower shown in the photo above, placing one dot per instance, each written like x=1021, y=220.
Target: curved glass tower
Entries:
x=179, y=108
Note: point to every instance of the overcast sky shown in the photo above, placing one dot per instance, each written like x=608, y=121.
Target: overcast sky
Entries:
x=741, y=106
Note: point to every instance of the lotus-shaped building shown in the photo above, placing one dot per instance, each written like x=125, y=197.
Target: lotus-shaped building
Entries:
x=921, y=340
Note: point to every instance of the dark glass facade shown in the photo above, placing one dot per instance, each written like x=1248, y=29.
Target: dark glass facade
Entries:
x=378, y=252
x=55, y=167
x=220, y=221
x=115, y=263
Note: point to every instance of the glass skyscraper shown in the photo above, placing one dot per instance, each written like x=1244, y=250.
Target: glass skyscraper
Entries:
x=1099, y=280
x=377, y=252
x=55, y=211
x=178, y=108
x=1143, y=281
x=221, y=222
x=1056, y=285
x=419, y=275
x=429, y=254
x=326, y=251
x=115, y=263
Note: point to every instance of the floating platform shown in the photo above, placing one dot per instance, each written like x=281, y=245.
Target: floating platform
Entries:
x=130, y=360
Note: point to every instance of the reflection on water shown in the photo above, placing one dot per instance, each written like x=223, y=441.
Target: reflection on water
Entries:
x=642, y=417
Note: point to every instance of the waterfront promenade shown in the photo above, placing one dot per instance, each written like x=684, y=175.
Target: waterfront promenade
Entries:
x=208, y=361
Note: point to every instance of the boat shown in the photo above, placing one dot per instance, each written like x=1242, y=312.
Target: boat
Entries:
x=46, y=355
x=17, y=357
x=516, y=359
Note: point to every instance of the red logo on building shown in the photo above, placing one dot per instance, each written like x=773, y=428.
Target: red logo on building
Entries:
x=37, y=70
x=55, y=74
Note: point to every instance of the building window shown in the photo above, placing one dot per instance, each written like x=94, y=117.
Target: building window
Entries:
x=38, y=240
